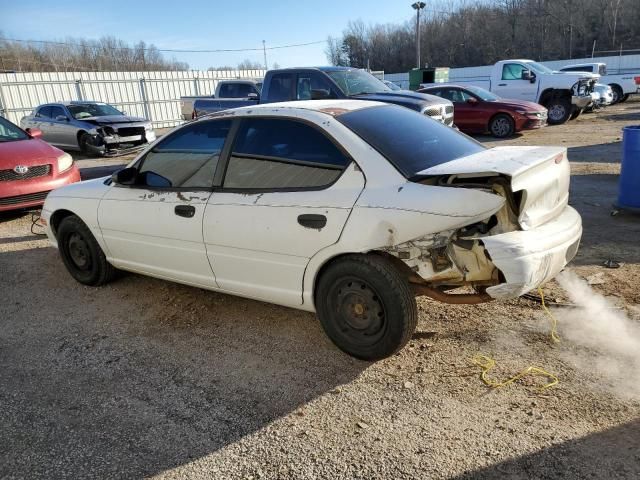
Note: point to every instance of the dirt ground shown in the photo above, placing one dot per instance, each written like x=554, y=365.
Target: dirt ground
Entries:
x=145, y=378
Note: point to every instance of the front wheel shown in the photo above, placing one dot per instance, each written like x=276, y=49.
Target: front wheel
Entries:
x=502, y=126
x=366, y=307
x=576, y=113
x=559, y=110
x=617, y=94
x=81, y=253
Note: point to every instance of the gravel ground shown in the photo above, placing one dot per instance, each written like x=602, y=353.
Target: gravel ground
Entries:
x=145, y=378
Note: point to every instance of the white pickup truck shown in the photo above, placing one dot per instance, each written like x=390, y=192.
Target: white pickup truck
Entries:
x=229, y=91
x=565, y=95
x=622, y=85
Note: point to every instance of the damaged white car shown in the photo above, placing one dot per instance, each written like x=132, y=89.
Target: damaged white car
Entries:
x=346, y=208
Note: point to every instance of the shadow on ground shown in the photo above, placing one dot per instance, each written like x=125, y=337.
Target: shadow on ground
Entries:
x=141, y=376
x=609, y=454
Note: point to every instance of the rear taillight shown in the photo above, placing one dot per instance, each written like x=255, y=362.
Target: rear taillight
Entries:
x=637, y=80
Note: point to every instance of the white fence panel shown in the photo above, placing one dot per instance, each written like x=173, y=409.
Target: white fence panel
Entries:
x=154, y=95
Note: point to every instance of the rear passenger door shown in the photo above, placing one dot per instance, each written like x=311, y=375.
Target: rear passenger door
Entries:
x=44, y=122
x=286, y=194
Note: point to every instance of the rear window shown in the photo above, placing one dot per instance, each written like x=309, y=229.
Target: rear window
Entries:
x=410, y=141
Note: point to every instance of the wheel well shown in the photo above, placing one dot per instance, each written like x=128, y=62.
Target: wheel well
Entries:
x=552, y=93
x=57, y=217
x=402, y=267
x=495, y=115
x=615, y=85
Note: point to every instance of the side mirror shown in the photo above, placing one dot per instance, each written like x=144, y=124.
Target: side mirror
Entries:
x=320, y=94
x=61, y=118
x=34, y=132
x=253, y=96
x=528, y=75
x=472, y=100
x=126, y=176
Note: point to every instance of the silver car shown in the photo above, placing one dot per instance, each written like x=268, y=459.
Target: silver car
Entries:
x=93, y=127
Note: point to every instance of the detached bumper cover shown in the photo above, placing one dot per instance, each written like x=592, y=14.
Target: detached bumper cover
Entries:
x=530, y=258
x=581, y=102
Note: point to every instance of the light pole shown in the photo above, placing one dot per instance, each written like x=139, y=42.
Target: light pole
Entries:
x=417, y=7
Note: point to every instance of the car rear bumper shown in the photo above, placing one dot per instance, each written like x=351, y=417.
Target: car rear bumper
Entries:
x=32, y=193
x=528, y=259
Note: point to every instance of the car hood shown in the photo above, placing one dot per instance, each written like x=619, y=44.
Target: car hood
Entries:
x=111, y=119
x=26, y=152
x=518, y=104
x=405, y=98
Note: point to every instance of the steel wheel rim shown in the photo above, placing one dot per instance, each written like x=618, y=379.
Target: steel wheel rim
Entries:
x=359, y=312
x=557, y=112
x=501, y=127
x=78, y=251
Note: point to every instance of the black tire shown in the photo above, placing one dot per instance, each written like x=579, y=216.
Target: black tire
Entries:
x=576, y=113
x=617, y=94
x=502, y=126
x=83, y=143
x=624, y=98
x=559, y=110
x=366, y=307
x=81, y=253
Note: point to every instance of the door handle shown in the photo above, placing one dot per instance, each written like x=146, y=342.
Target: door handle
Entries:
x=310, y=220
x=502, y=84
x=186, y=211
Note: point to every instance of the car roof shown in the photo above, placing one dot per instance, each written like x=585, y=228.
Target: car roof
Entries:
x=449, y=85
x=329, y=107
x=327, y=68
x=66, y=103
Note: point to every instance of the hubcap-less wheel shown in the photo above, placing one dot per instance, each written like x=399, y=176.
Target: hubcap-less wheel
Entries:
x=359, y=312
x=79, y=252
x=557, y=112
x=501, y=127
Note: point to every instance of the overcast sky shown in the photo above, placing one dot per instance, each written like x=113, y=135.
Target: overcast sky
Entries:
x=202, y=24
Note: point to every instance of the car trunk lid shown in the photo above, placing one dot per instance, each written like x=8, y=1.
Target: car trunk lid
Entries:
x=538, y=175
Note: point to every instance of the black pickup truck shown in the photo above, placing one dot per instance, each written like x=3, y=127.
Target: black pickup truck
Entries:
x=319, y=83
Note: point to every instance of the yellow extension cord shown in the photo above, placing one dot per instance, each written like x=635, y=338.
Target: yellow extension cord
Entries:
x=487, y=363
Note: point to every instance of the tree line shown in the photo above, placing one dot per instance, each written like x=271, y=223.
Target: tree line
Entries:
x=105, y=54
x=476, y=32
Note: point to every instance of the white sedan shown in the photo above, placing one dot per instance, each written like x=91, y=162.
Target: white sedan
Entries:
x=346, y=208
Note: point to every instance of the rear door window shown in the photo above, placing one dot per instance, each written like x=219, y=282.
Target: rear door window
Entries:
x=282, y=154
x=236, y=90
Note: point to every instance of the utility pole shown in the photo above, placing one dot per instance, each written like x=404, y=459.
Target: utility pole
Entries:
x=264, y=51
x=417, y=7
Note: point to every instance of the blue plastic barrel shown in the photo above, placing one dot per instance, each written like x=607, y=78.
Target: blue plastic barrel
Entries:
x=629, y=192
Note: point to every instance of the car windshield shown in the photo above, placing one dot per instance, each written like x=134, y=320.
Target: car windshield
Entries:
x=538, y=68
x=357, y=82
x=86, y=110
x=410, y=141
x=10, y=133
x=485, y=95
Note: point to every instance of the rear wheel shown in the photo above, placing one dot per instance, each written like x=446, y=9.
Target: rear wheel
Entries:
x=82, y=254
x=624, y=98
x=559, y=110
x=366, y=307
x=617, y=94
x=502, y=126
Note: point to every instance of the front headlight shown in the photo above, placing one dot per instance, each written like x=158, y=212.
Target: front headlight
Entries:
x=64, y=162
x=148, y=127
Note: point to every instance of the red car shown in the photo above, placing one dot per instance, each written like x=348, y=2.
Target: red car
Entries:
x=477, y=110
x=30, y=168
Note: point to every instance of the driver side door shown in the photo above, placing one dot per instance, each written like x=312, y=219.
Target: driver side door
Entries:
x=155, y=225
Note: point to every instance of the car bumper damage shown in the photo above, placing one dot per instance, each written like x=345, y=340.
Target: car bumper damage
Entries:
x=522, y=245
x=123, y=139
